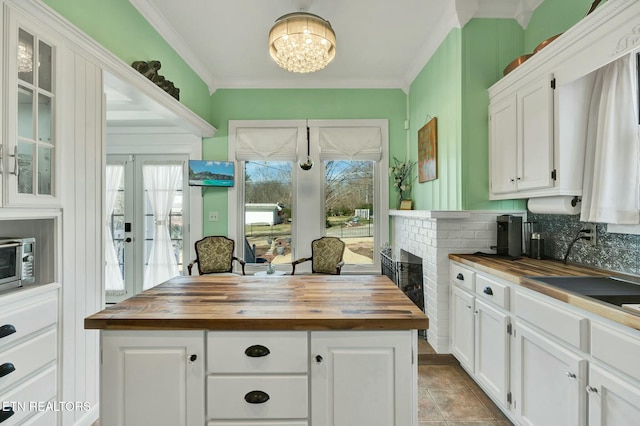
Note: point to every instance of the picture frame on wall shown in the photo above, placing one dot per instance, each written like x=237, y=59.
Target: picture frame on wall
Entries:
x=428, y=151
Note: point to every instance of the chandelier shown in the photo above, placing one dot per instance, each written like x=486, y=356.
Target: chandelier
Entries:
x=302, y=42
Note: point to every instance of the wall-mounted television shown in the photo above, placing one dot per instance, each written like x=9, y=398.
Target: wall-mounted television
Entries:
x=210, y=173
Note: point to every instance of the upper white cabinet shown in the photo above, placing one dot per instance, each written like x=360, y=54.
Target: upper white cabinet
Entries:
x=30, y=137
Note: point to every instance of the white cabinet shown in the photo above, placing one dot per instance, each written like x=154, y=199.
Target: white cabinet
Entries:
x=462, y=327
x=613, y=400
x=521, y=140
x=30, y=132
x=550, y=381
x=28, y=353
x=363, y=378
x=492, y=350
x=152, y=378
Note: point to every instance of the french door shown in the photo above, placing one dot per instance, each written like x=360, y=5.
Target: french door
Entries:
x=147, y=229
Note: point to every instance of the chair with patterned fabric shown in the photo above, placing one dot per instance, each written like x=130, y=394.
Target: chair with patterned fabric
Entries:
x=214, y=255
x=326, y=256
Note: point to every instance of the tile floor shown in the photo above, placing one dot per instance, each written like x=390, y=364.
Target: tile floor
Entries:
x=447, y=396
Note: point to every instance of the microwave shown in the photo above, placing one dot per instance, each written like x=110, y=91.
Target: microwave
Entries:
x=17, y=261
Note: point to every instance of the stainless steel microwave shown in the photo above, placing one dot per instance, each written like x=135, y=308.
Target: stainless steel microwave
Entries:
x=17, y=262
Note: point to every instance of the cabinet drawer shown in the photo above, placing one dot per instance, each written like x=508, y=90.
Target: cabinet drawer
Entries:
x=493, y=291
x=287, y=397
x=23, y=359
x=44, y=418
x=27, y=319
x=257, y=352
x=462, y=276
x=567, y=326
x=620, y=350
x=38, y=389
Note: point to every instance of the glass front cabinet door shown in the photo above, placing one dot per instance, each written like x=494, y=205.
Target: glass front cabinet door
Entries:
x=30, y=146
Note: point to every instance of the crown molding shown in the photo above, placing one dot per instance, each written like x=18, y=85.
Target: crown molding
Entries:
x=157, y=20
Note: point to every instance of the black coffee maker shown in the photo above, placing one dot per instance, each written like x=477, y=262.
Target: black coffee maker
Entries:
x=509, y=235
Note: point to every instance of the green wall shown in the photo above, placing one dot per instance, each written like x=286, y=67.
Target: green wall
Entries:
x=280, y=104
x=118, y=26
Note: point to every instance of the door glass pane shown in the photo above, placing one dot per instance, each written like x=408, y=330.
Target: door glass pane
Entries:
x=44, y=118
x=44, y=66
x=268, y=198
x=25, y=167
x=25, y=112
x=44, y=170
x=25, y=56
x=348, y=189
x=117, y=225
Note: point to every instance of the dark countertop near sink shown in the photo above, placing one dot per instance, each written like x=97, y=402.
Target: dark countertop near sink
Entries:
x=523, y=271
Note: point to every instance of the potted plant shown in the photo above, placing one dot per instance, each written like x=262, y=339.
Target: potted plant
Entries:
x=401, y=173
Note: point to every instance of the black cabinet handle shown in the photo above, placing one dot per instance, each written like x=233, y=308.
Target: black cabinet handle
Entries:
x=6, y=330
x=256, y=397
x=460, y=277
x=257, y=351
x=193, y=358
x=488, y=290
x=6, y=413
x=319, y=358
x=6, y=368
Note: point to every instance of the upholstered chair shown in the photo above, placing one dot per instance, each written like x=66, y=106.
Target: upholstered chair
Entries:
x=214, y=255
x=326, y=256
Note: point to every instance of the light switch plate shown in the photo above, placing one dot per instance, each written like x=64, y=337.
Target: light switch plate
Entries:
x=213, y=216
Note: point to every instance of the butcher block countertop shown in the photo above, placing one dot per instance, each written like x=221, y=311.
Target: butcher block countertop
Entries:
x=305, y=302
x=518, y=271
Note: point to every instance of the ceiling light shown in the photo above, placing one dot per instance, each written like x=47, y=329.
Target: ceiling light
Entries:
x=302, y=42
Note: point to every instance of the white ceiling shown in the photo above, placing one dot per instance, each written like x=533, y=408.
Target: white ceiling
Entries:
x=380, y=43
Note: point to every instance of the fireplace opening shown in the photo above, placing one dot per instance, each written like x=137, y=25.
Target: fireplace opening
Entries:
x=407, y=274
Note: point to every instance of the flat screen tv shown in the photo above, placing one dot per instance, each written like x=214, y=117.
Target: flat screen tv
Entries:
x=210, y=173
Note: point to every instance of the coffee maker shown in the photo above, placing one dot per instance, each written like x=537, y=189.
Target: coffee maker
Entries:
x=509, y=235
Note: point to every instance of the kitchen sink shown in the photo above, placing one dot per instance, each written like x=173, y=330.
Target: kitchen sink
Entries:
x=604, y=288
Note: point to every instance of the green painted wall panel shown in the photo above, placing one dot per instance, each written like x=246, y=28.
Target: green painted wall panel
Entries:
x=118, y=26
x=280, y=104
x=553, y=17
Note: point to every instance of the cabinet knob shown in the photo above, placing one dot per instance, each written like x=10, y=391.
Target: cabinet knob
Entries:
x=127, y=240
x=319, y=358
x=511, y=180
x=571, y=375
x=6, y=330
x=6, y=413
x=488, y=290
x=256, y=397
x=7, y=368
x=591, y=389
x=257, y=351
x=519, y=178
x=193, y=358
x=460, y=277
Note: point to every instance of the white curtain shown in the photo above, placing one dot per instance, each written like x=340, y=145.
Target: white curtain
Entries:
x=611, y=189
x=266, y=143
x=161, y=181
x=354, y=143
x=114, y=284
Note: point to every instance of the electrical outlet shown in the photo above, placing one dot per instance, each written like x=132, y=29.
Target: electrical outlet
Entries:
x=592, y=228
x=213, y=216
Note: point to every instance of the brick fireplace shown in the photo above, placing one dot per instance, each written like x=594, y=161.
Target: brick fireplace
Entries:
x=432, y=235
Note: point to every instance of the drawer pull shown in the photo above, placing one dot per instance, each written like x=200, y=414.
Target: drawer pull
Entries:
x=257, y=351
x=571, y=375
x=6, y=368
x=591, y=389
x=6, y=413
x=256, y=397
x=6, y=330
x=488, y=290
x=460, y=276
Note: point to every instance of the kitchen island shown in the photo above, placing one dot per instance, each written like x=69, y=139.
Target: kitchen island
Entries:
x=242, y=350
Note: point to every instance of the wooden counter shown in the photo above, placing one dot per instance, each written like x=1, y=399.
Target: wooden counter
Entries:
x=306, y=302
x=515, y=272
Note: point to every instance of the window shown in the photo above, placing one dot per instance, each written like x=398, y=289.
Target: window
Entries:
x=282, y=208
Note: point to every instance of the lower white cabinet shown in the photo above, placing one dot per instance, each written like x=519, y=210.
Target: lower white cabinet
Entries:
x=152, y=378
x=363, y=378
x=549, y=381
x=462, y=327
x=265, y=378
x=613, y=400
x=492, y=350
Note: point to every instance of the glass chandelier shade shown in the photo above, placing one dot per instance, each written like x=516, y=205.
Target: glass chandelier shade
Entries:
x=302, y=42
